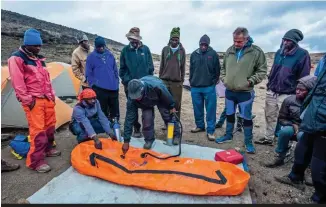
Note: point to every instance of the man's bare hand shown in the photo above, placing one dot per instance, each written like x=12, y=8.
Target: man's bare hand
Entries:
x=125, y=148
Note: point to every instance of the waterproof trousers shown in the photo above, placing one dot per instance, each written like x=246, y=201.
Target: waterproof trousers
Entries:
x=41, y=122
x=137, y=125
x=81, y=133
x=176, y=89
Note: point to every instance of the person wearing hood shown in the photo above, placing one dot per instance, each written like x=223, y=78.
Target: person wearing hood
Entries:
x=88, y=119
x=244, y=66
x=289, y=119
x=78, y=59
x=172, y=67
x=203, y=77
x=102, y=76
x=291, y=62
x=146, y=93
x=311, y=146
x=31, y=82
x=135, y=62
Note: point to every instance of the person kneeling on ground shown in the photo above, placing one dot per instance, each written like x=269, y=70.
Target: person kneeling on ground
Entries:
x=145, y=93
x=88, y=119
x=289, y=119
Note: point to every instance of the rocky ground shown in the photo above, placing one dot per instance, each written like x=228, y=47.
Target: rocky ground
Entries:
x=59, y=46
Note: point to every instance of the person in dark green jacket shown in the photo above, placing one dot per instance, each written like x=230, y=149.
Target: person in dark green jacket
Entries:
x=146, y=93
x=203, y=77
x=172, y=67
x=135, y=62
x=243, y=67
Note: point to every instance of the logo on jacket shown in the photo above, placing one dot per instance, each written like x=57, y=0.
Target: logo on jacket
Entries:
x=142, y=53
x=209, y=57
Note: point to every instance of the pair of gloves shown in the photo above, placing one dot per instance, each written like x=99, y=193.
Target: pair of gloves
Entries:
x=98, y=143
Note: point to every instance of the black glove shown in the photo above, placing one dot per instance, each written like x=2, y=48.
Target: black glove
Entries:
x=113, y=137
x=97, y=143
x=31, y=106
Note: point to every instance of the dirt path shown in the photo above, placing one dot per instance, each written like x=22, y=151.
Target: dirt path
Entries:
x=24, y=182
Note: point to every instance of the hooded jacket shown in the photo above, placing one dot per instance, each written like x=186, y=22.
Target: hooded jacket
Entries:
x=204, y=67
x=155, y=93
x=314, y=117
x=172, y=67
x=287, y=69
x=83, y=113
x=290, y=110
x=29, y=77
x=135, y=63
x=320, y=65
x=244, y=66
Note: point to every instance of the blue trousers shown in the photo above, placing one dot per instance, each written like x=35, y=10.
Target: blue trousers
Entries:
x=81, y=133
x=244, y=100
x=311, y=147
x=201, y=97
x=286, y=134
x=148, y=117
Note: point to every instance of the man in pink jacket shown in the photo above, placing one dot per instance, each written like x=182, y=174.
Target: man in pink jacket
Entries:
x=32, y=85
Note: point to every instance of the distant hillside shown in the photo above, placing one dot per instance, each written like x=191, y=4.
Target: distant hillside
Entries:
x=59, y=41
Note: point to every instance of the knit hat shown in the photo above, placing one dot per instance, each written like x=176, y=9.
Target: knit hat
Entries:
x=175, y=32
x=135, y=89
x=308, y=82
x=294, y=35
x=99, y=42
x=32, y=37
x=204, y=39
x=87, y=93
x=81, y=37
x=134, y=34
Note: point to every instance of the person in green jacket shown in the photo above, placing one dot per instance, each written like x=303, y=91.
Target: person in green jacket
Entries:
x=244, y=66
x=172, y=67
x=135, y=62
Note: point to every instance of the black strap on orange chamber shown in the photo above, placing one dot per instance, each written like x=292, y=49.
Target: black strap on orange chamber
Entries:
x=222, y=179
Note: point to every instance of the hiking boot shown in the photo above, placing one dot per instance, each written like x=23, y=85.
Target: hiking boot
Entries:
x=250, y=148
x=43, y=168
x=278, y=161
x=137, y=133
x=53, y=153
x=228, y=134
x=7, y=167
x=264, y=141
x=286, y=180
x=148, y=144
x=211, y=137
x=196, y=130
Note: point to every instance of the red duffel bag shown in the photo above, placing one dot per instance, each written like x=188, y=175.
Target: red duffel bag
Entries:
x=231, y=156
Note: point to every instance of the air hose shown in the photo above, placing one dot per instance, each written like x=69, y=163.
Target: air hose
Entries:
x=143, y=155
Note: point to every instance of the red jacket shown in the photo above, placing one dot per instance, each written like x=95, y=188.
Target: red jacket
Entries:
x=29, y=77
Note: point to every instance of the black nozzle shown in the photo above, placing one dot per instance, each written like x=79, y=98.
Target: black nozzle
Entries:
x=143, y=155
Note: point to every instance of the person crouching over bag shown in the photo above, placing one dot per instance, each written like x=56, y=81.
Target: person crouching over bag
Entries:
x=88, y=119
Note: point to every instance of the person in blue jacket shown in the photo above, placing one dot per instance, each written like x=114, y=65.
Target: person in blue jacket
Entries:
x=103, y=77
x=88, y=119
x=320, y=65
x=145, y=93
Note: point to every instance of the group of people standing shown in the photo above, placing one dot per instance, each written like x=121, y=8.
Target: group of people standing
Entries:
x=295, y=107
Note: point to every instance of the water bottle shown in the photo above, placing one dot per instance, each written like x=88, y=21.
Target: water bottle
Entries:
x=171, y=125
x=116, y=127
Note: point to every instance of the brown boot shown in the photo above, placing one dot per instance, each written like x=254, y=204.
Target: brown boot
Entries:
x=196, y=130
x=7, y=167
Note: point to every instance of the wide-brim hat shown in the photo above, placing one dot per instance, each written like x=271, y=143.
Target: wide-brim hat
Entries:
x=134, y=34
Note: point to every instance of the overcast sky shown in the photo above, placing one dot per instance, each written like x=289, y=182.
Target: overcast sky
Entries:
x=267, y=21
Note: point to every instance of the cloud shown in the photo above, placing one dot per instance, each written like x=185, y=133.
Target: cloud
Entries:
x=267, y=21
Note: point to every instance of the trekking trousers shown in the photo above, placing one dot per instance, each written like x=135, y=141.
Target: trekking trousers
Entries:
x=176, y=89
x=41, y=122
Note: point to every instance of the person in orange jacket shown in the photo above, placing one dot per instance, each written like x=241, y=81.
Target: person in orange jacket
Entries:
x=33, y=88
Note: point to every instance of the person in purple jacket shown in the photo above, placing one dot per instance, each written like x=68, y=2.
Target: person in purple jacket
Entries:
x=291, y=63
x=102, y=76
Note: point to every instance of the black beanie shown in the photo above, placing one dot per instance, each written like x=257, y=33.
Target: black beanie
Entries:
x=204, y=39
x=294, y=34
